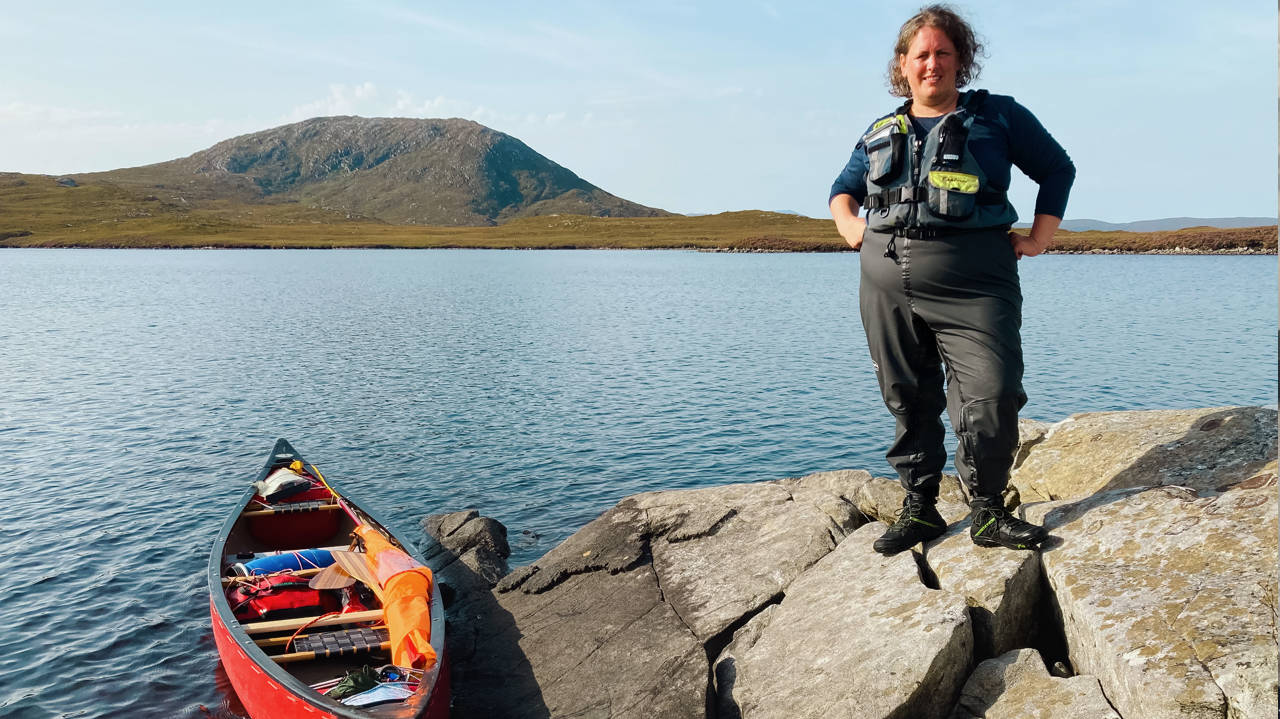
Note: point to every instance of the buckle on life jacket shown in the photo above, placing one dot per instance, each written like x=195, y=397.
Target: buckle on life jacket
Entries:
x=916, y=233
x=895, y=196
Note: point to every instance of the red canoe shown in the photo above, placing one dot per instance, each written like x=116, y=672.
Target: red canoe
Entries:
x=291, y=636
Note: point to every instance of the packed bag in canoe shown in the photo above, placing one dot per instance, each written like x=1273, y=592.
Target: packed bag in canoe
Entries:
x=287, y=484
x=279, y=596
x=285, y=561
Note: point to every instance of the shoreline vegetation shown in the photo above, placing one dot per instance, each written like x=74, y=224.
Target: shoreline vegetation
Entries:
x=42, y=211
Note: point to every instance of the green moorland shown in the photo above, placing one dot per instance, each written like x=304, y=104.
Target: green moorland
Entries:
x=36, y=211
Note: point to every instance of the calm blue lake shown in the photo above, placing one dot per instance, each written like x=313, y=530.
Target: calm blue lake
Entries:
x=141, y=390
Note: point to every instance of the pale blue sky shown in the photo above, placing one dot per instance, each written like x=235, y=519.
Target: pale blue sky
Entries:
x=692, y=107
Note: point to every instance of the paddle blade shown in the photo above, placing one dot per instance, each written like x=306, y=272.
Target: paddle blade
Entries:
x=331, y=577
x=354, y=563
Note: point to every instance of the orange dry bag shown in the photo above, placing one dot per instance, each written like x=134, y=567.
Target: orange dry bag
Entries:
x=406, y=599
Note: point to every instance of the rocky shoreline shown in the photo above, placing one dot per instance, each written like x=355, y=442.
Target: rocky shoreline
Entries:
x=1154, y=598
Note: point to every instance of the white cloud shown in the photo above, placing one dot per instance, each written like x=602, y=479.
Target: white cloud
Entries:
x=368, y=100
x=342, y=100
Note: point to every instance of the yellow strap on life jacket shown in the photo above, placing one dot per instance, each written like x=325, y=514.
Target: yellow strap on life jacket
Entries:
x=900, y=119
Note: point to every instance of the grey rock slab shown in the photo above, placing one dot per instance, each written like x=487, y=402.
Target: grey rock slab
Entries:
x=485, y=564
x=754, y=540
x=881, y=498
x=1030, y=433
x=1001, y=587
x=857, y=635
x=480, y=543
x=714, y=581
x=441, y=526
x=1101, y=451
x=615, y=541
x=1169, y=598
x=482, y=532
x=1016, y=685
x=843, y=483
x=594, y=645
x=725, y=666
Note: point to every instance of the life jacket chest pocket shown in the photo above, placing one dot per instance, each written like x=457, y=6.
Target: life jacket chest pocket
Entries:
x=886, y=147
x=952, y=195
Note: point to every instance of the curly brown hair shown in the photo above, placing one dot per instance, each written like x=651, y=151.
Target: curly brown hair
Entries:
x=944, y=18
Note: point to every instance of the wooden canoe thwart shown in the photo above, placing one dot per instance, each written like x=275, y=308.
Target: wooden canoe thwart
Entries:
x=296, y=602
x=324, y=620
x=289, y=510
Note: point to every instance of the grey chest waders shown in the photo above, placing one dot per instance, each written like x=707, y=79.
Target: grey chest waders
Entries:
x=941, y=303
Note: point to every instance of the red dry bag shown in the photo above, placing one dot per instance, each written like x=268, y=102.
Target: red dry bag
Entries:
x=278, y=596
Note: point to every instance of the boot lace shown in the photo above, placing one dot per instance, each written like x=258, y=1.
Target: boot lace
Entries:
x=911, y=508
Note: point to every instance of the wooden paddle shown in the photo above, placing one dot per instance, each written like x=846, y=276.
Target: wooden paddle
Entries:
x=331, y=577
x=354, y=564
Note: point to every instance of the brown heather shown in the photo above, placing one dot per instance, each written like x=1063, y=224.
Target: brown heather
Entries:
x=37, y=211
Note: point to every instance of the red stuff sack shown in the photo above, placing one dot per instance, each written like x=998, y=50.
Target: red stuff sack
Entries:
x=278, y=596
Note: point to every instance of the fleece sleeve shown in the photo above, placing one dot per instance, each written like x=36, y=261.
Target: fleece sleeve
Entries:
x=1034, y=151
x=852, y=180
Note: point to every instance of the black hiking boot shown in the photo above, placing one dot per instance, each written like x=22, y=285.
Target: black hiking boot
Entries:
x=993, y=526
x=918, y=522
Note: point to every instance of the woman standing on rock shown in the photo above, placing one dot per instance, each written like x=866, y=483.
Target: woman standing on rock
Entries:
x=939, y=278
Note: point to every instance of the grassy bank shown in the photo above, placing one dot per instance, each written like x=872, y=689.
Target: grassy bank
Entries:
x=35, y=211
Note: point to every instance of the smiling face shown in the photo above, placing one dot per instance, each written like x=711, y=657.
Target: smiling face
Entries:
x=929, y=67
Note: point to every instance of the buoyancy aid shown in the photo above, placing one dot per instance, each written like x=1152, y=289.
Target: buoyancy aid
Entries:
x=932, y=183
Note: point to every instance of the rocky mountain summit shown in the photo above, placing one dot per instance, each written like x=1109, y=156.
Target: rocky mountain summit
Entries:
x=398, y=170
x=1154, y=598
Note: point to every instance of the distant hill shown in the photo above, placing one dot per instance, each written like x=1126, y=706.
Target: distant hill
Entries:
x=1162, y=225
x=398, y=170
